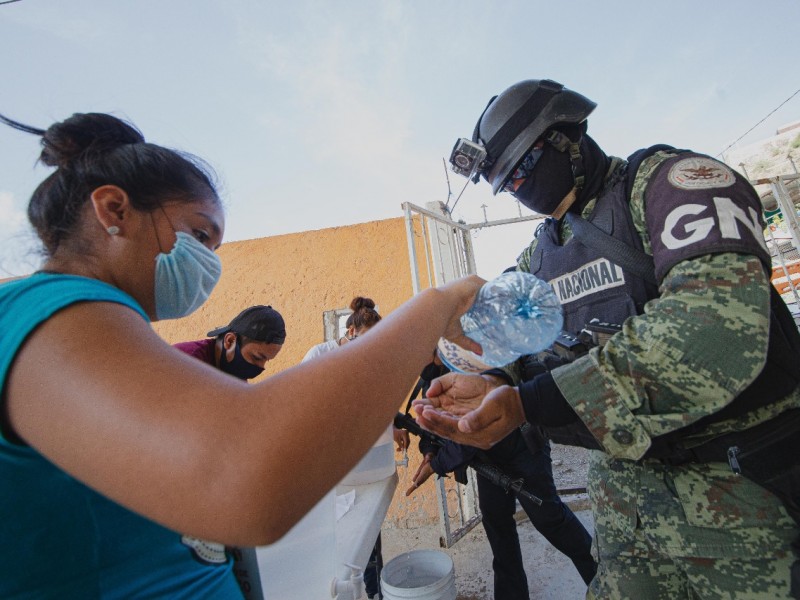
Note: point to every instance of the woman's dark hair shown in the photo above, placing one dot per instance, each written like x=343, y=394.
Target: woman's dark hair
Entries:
x=364, y=313
x=94, y=149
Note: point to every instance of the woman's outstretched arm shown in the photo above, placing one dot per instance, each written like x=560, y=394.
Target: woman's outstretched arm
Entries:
x=98, y=393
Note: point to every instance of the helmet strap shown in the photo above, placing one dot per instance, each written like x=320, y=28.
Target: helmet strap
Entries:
x=563, y=206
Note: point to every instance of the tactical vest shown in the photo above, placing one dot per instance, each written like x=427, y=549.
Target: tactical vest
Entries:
x=596, y=287
x=587, y=284
x=590, y=285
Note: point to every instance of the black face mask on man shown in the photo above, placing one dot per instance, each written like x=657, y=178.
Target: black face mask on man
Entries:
x=548, y=184
x=552, y=177
x=238, y=366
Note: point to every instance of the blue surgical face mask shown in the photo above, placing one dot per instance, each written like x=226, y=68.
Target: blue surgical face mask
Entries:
x=184, y=277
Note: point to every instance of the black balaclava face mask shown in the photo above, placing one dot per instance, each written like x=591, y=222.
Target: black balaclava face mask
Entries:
x=551, y=180
x=238, y=366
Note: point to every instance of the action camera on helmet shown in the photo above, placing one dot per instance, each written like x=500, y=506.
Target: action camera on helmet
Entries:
x=467, y=157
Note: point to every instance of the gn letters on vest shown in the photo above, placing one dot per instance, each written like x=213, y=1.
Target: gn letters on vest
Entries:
x=701, y=207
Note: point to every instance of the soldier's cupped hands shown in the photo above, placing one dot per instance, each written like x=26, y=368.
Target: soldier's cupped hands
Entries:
x=476, y=410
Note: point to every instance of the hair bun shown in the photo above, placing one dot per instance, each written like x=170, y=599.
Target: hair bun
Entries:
x=360, y=302
x=82, y=133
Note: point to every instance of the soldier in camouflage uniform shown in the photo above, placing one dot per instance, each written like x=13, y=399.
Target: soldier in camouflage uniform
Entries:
x=698, y=362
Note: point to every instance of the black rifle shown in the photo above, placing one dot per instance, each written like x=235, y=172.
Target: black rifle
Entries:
x=482, y=465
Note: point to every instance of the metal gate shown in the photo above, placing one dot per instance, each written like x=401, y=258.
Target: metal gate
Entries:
x=441, y=250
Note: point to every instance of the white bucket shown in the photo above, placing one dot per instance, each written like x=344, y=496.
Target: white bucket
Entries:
x=419, y=574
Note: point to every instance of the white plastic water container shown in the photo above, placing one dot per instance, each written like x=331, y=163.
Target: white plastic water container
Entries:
x=299, y=565
x=377, y=464
x=419, y=574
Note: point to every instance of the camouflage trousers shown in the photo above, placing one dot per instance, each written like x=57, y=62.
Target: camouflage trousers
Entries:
x=694, y=531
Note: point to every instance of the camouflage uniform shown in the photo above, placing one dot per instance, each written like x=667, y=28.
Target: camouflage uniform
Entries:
x=696, y=530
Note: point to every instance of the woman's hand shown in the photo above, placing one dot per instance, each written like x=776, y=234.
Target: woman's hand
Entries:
x=464, y=290
x=476, y=410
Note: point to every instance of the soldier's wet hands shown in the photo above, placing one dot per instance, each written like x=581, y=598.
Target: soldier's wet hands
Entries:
x=457, y=393
x=498, y=414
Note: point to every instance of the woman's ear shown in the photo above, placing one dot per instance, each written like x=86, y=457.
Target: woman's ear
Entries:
x=111, y=207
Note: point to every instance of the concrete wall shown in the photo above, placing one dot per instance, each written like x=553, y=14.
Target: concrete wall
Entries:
x=302, y=275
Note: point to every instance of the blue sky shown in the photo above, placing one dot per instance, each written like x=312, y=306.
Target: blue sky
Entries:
x=316, y=114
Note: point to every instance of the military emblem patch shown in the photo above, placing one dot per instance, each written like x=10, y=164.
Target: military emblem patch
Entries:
x=699, y=173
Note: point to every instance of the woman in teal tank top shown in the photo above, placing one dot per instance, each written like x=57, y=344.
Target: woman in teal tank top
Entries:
x=107, y=433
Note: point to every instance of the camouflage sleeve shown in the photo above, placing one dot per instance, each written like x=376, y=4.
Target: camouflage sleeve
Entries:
x=679, y=361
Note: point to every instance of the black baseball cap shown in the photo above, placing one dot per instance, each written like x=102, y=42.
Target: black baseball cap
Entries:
x=260, y=323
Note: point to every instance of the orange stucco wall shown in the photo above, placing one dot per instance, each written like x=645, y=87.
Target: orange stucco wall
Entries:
x=302, y=275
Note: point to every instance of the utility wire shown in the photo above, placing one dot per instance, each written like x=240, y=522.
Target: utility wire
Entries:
x=757, y=124
x=447, y=179
x=459, y=195
x=8, y=2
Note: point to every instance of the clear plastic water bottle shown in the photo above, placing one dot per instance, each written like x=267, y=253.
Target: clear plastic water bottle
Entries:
x=513, y=314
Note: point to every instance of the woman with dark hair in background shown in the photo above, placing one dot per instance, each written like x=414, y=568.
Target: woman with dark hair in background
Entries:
x=361, y=320
x=108, y=433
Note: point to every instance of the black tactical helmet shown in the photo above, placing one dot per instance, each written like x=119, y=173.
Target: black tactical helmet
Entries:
x=517, y=118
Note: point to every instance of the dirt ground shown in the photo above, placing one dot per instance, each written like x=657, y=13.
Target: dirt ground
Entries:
x=551, y=575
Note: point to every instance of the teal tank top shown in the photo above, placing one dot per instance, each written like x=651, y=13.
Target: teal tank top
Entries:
x=58, y=538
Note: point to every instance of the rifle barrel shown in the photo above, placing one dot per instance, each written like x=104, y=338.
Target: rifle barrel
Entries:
x=481, y=467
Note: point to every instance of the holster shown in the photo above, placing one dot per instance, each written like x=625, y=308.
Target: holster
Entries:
x=773, y=462
x=532, y=365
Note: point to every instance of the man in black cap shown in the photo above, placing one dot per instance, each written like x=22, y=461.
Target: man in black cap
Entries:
x=245, y=345
x=241, y=348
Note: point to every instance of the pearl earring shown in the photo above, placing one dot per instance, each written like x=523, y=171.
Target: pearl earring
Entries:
x=113, y=230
